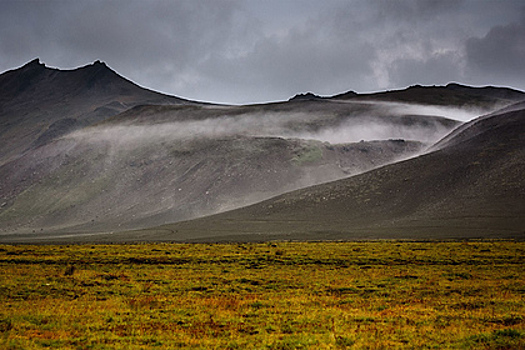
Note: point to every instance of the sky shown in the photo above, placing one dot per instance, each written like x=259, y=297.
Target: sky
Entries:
x=253, y=51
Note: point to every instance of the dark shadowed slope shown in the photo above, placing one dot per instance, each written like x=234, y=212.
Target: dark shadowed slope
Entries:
x=471, y=188
x=477, y=127
x=486, y=97
x=39, y=104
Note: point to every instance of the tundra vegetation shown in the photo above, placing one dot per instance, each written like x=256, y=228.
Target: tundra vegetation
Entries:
x=277, y=295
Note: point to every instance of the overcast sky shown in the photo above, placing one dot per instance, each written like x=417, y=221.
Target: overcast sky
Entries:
x=265, y=50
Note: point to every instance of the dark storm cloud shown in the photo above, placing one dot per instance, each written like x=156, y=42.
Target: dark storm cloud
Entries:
x=499, y=55
x=156, y=40
x=242, y=51
x=437, y=69
x=309, y=58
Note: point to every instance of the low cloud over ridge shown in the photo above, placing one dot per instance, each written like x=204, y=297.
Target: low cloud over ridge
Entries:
x=368, y=126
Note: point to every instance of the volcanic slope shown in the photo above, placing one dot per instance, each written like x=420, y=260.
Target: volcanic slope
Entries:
x=83, y=185
x=471, y=187
x=87, y=151
x=39, y=104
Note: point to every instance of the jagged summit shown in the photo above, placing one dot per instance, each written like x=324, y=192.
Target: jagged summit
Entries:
x=36, y=67
x=306, y=97
x=34, y=63
x=44, y=103
x=34, y=80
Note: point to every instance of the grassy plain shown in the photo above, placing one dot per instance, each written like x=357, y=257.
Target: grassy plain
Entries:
x=278, y=295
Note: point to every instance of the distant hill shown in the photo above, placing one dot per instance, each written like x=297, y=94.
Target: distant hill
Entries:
x=472, y=187
x=453, y=94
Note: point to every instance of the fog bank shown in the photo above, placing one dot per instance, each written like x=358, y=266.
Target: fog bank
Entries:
x=379, y=121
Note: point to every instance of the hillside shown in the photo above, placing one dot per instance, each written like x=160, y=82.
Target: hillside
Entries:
x=472, y=187
x=79, y=184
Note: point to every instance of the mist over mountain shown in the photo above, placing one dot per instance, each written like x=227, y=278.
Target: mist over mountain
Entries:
x=87, y=151
x=39, y=104
x=471, y=186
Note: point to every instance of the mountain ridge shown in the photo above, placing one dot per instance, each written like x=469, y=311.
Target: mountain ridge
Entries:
x=455, y=94
x=504, y=93
x=86, y=151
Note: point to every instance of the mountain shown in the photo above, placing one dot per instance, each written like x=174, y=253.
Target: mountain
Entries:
x=485, y=98
x=39, y=104
x=86, y=151
x=472, y=186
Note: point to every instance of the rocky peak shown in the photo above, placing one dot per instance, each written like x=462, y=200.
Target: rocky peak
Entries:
x=305, y=97
x=34, y=64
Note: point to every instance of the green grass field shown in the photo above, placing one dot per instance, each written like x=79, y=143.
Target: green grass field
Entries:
x=279, y=295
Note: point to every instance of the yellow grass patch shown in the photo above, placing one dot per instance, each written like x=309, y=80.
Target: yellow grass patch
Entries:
x=280, y=295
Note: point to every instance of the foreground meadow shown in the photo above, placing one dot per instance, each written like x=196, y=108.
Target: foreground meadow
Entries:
x=279, y=295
